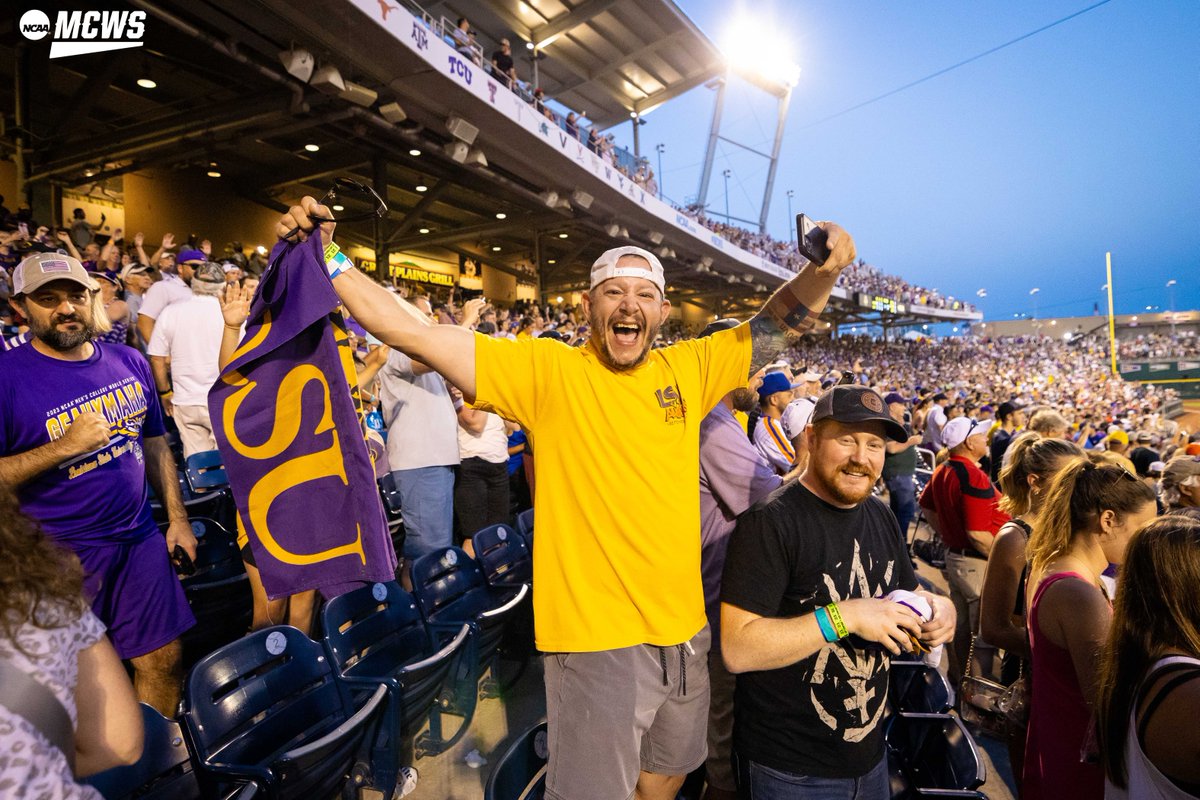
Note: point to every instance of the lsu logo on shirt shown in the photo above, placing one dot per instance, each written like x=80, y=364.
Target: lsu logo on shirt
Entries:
x=672, y=404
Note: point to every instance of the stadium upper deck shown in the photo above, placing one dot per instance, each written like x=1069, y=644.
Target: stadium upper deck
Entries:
x=470, y=170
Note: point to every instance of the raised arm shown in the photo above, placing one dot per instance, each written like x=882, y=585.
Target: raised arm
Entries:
x=793, y=310
x=447, y=349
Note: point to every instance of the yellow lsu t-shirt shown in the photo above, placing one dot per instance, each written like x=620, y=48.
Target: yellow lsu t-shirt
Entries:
x=617, y=469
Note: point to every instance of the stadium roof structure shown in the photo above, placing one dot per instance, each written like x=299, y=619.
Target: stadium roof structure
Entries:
x=468, y=168
x=608, y=58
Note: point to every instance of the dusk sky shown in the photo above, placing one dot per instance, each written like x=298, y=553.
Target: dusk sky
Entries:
x=1018, y=170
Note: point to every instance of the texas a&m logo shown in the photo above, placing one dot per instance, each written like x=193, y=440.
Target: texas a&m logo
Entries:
x=672, y=404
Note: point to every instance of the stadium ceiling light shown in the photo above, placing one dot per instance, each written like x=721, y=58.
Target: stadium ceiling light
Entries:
x=758, y=48
x=422, y=188
x=212, y=173
x=261, y=250
x=562, y=236
x=501, y=215
x=496, y=249
x=312, y=148
x=558, y=300
x=414, y=152
x=552, y=261
x=146, y=83
x=423, y=230
x=339, y=207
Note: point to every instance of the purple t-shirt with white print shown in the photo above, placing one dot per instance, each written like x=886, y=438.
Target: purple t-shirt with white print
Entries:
x=100, y=497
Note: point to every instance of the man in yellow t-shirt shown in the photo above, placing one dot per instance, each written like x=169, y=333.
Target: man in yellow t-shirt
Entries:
x=618, y=600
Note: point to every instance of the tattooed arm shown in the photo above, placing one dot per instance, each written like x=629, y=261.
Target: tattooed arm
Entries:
x=793, y=310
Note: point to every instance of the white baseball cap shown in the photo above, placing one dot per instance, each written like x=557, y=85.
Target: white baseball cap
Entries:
x=959, y=429
x=605, y=267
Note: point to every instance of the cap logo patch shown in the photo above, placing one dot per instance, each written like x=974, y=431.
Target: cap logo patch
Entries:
x=55, y=265
x=872, y=402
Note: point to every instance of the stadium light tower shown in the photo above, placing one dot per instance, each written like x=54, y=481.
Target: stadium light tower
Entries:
x=660, y=148
x=791, y=227
x=1171, y=292
x=758, y=53
x=1034, y=293
x=726, y=175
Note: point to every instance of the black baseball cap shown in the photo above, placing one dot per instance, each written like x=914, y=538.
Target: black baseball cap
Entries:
x=1008, y=408
x=851, y=404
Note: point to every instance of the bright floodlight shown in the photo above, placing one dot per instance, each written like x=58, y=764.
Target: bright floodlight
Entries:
x=755, y=47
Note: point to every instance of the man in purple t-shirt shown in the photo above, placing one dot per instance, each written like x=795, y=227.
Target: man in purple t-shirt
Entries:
x=81, y=431
x=733, y=477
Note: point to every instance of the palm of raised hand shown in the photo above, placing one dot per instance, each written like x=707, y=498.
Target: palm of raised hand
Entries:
x=235, y=305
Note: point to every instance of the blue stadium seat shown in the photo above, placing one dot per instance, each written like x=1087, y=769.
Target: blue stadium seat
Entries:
x=502, y=553
x=205, y=472
x=525, y=527
x=933, y=755
x=450, y=589
x=389, y=493
x=164, y=772
x=520, y=774
x=269, y=708
x=915, y=687
x=218, y=592
x=376, y=635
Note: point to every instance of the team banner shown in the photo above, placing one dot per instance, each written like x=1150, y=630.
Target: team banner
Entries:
x=287, y=425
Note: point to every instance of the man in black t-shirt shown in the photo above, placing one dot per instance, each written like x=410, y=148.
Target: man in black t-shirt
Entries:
x=502, y=65
x=1011, y=418
x=803, y=621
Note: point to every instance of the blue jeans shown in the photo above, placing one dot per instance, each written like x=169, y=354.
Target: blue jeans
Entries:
x=427, y=504
x=757, y=782
x=902, y=495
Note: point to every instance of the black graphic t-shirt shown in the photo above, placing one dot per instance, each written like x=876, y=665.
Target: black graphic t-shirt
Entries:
x=790, y=554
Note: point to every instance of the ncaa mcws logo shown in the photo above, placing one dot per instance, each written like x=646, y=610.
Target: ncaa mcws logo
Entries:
x=80, y=32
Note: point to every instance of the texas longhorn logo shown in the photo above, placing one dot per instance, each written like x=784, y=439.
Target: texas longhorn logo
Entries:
x=80, y=32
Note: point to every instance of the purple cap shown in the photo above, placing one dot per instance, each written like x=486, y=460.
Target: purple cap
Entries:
x=895, y=397
x=191, y=255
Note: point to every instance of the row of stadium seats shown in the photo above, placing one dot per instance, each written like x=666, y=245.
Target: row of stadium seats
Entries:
x=277, y=714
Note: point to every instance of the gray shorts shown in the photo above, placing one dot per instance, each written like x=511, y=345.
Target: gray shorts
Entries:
x=611, y=717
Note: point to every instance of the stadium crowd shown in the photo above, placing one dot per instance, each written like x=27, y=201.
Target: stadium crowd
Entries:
x=1051, y=478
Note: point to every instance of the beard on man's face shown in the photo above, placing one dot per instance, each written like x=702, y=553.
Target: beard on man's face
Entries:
x=849, y=482
x=63, y=340
x=601, y=330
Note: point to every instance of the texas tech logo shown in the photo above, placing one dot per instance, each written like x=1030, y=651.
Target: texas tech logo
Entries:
x=80, y=32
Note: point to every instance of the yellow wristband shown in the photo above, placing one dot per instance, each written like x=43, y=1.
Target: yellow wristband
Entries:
x=835, y=617
x=331, y=250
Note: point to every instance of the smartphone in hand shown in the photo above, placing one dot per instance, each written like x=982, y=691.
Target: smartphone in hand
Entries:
x=811, y=240
x=182, y=562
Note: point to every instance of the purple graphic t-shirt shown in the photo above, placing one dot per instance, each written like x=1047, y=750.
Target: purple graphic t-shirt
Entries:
x=101, y=496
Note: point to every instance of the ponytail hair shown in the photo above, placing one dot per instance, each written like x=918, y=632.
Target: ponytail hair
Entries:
x=1078, y=495
x=1031, y=454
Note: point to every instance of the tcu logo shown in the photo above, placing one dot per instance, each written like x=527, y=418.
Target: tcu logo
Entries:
x=460, y=68
x=419, y=36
